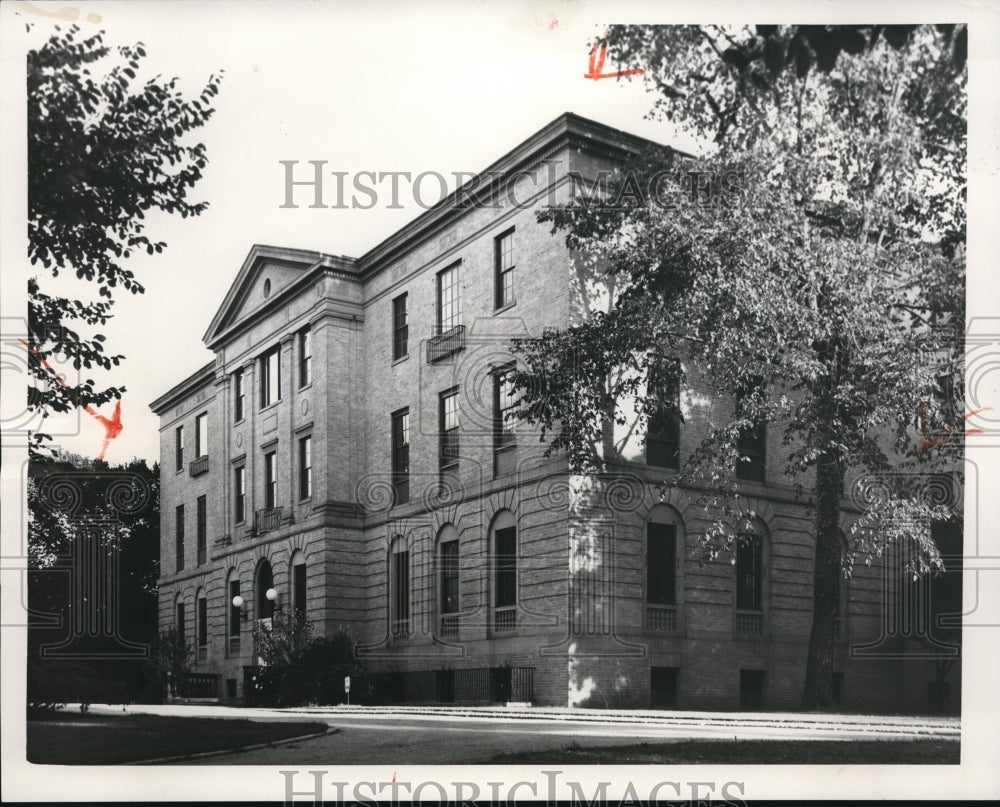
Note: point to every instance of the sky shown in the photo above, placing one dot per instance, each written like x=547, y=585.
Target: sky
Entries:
x=380, y=86
x=388, y=86
x=384, y=86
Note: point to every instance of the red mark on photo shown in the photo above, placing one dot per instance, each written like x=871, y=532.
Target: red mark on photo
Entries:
x=112, y=427
x=597, y=55
x=945, y=436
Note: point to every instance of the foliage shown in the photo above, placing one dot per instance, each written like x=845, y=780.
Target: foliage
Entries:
x=300, y=669
x=172, y=654
x=284, y=641
x=66, y=498
x=54, y=684
x=811, y=267
x=102, y=153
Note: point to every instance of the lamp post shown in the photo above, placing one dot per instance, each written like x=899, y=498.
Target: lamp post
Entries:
x=272, y=596
x=239, y=603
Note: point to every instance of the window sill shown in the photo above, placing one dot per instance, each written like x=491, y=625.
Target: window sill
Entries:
x=504, y=307
x=400, y=360
x=271, y=405
x=304, y=387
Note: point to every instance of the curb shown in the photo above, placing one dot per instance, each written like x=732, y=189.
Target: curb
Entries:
x=254, y=747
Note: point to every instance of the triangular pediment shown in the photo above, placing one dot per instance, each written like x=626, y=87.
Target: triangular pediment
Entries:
x=266, y=273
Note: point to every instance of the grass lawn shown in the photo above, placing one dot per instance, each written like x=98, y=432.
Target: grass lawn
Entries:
x=66, y=738
x=748, y=752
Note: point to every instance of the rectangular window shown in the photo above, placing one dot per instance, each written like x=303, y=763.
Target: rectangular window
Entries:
x=202, y=513
x=235, y=614
x=305, y=356
x=449, y=577
x=270, y=377
x=749, y=572
x=179, y=536
x=305, y=467
x=201, y=435
x=661, y=564
x=751, y=444
x=503, y=426
x=239, y=396
x=506, y=567
x=401, y=593
x=202, y=623
x=299, y=587
x=270, y=480
x=239, y=494
x=179, y=447
x=448, y=425
x=504, y=262
x=401, y=455
x=181, y=627
x=400, y=328
x=663, y=420
x=448, y=314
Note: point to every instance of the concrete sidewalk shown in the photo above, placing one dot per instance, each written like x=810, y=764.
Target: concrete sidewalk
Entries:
x=854, y=725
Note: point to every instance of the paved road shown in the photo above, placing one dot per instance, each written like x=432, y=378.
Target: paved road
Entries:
x=366, y=735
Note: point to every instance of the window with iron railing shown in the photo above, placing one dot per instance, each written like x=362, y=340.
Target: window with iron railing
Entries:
x=448, y=299
x=661, y=577
x=202, y=629
x=270, y=480
x=505, y=579
x=201, y=435
x=749, y=584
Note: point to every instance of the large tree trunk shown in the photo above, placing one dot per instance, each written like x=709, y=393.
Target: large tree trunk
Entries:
x=818, y=692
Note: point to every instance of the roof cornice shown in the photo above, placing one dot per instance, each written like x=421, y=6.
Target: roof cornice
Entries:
x=199, y=378
x=568, y=129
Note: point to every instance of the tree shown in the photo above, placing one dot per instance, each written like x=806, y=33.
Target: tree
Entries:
x=809, y=266
x=102, y=153
x=70, y=500
x=300, y=668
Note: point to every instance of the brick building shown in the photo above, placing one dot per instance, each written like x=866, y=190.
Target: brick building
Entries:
x=345, y=452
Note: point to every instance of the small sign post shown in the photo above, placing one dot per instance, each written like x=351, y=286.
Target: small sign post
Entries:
x=347, y=688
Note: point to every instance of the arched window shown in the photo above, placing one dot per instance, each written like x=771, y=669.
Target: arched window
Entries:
x=448, y=579
x=201, y=625
x=664, y=543
x=235, y=613
x=399, y=588
x=180, y=618
x=265, y=581
x=299, y=598
x=503, y=541
x=751, y=548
